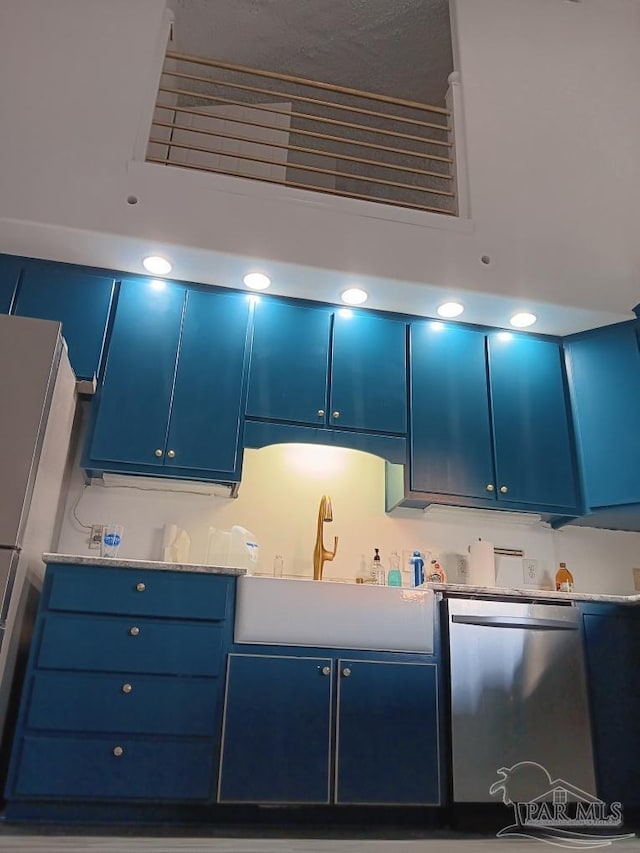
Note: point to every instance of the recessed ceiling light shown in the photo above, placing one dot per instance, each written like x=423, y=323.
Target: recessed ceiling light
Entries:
x=450, y=309
x=354, y=296
x=523, y=319
x=257, y=280
x=156, y=265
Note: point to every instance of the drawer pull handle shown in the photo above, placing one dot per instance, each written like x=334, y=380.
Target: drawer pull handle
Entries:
x=158, y=452
x=118, y=751
x=326, y=670
x=346, y=672
x=504, y=490
x=127, y=688
x=336, y=415
x=171, y=454
x=134, y=631
x=320, y=413
x=140, y=587
x=490, y=487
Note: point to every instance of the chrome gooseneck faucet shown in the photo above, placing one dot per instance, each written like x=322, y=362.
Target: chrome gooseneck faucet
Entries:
x=320, y=553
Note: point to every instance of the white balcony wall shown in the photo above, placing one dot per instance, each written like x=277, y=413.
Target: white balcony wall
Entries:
x=549, y=91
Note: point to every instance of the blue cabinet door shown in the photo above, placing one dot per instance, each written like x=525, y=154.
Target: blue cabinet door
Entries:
x=368, y=373
x=451, y=446
x=289, y=363
x=9, y=274
x=206, y=412
x=79, y=299
x=387, y=733
x=604, y=372
x=277, y=730
x=135, y=397
x=534, y=457
x=612, y=640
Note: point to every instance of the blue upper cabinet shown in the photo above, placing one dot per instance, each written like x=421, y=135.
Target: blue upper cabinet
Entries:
x=289, y=363
x=77, y=298
x=450, y=437
x=135, y=398
x=311, y=367
x=604, y=374
x=9, y=275
x=368, y=373
x=534, y=449
x=489, y=420
x=204, y=429
x=170, y=401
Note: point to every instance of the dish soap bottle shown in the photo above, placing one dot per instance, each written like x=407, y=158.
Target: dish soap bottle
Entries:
x=377, y=572
x=418, y=568
x=394, y=575
x=564, y=579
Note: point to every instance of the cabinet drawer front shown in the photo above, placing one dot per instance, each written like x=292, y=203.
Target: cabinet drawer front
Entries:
x=156, y=705
x=143, y=593
x=69, y=767
x=108, y=645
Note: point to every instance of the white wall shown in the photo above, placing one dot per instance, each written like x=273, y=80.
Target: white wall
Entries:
x=278, y=501
x=550, y=102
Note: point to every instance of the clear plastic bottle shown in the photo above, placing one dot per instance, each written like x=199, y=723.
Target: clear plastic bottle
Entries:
x=394, y=575
x=278, y=566
x=564, y=579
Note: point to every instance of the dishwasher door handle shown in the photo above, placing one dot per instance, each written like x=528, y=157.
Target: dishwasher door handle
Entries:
x=529, y=622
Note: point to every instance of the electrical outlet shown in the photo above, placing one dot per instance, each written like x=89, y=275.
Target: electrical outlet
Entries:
x=95, y=537
x=530, y=572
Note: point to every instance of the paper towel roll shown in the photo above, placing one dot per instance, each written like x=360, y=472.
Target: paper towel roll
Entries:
x=482, y=564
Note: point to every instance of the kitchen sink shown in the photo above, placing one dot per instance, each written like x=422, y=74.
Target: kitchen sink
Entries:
x=322, y=614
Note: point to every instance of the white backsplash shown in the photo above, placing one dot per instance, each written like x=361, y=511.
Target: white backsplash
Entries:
x=278, y=502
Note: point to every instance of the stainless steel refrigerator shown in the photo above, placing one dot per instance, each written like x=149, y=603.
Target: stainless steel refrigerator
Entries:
x=37, y=406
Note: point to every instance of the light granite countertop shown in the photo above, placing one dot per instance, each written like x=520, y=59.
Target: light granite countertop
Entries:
x=529, y=594
x=123, y=563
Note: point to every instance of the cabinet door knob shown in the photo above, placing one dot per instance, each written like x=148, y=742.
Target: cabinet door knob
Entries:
x=158, y=452
x=346, y=672
x=326, y=670
x=320, y=413
x=504, y=490
x=335, y=415
x=134, y=631
x=171, y=454
x=118, y=751
x=490, y=487
x=140, y=587
x=127, y=688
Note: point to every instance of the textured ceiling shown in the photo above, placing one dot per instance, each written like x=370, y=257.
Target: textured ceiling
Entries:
x=394, y=47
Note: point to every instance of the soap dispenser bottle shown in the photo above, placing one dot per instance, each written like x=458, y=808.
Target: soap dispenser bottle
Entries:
x=394, y=575
x=377, y=572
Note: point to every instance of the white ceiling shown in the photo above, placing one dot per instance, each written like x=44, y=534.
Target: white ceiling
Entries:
x=394, y=47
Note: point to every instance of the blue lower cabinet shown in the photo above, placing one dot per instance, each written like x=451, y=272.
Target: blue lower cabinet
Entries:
x=114, y=768
x=277, y=730
x=133, y=703
x=387, y=733
x=77, y=298
x=330, y=730
x=121, y=706
x=612, y=636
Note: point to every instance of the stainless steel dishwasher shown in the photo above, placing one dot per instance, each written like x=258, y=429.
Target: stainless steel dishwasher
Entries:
x=518, y=694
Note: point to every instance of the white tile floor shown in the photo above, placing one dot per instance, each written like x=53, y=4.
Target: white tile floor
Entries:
x=115, y=844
